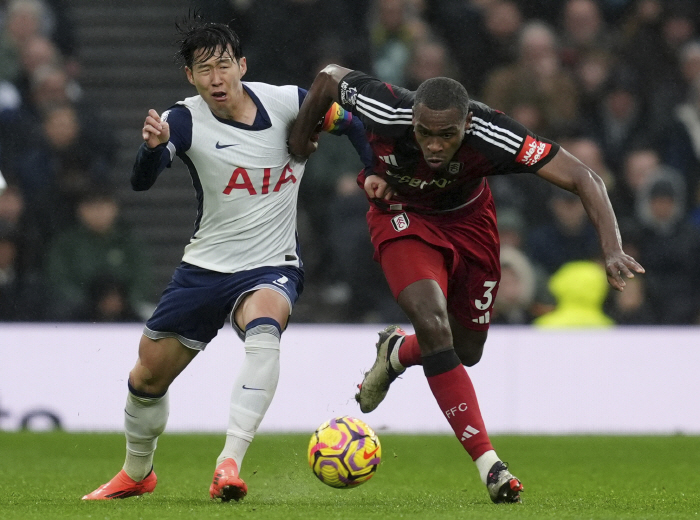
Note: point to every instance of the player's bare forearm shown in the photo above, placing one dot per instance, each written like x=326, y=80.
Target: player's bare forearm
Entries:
x=569, y=173
x=323, y=92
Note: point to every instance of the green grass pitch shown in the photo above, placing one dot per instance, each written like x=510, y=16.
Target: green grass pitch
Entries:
x=44, y=475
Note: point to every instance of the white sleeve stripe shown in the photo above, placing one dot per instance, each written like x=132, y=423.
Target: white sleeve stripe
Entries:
x=369, y=108
x=406, y=122
x=496, y=135
x=493, y=141
x=384, y=106
x=171, y=148
x=478, y=120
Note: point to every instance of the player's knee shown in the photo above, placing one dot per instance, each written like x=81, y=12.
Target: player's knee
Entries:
x=432, y=329
x=145, y=381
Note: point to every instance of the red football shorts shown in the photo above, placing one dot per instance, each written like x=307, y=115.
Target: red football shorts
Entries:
x=459, y=250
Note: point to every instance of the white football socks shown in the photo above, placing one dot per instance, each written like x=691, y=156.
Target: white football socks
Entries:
x=485, y=463
x=144, y=421
x=253, y=390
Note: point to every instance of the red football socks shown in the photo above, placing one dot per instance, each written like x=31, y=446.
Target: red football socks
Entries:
x=454, y=392
x=409, y=352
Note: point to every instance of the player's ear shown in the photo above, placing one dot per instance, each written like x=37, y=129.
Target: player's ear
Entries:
x=243, y=65
x=468, y=122
x=188, y=71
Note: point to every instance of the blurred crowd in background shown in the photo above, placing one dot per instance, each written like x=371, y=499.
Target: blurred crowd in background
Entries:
x=615, y=82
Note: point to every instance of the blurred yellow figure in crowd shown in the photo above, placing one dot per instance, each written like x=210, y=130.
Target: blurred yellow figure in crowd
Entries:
x=580, y=289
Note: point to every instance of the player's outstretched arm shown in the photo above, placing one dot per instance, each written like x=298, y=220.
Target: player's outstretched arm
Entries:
x=323, y=92
x=567, y=172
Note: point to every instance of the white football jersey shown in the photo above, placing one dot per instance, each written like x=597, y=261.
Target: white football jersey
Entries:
x=246, y=181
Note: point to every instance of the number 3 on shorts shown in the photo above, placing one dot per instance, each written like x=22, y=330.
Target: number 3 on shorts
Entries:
x=485, y=303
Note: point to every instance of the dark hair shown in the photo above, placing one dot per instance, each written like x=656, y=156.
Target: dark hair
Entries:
x=196, y=34
x=443, y=94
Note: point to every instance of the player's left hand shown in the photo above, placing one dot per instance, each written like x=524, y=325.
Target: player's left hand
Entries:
x=618, y=265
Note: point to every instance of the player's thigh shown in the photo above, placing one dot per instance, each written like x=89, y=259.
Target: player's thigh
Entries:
x=407, y=260
x=159, y=363
x=262, y=303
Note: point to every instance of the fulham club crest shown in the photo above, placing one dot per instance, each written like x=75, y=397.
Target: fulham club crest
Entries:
x=400, y=222
x=454, y=167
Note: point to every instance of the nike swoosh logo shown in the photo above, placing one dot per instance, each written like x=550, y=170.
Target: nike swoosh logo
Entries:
x=220, y=146
x=249, y=388
x=370, y=454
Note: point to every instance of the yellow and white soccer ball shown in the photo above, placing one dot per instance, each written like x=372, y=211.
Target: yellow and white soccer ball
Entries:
x=344, y=452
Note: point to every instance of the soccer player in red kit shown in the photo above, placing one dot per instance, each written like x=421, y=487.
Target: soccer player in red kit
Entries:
x=432, y=222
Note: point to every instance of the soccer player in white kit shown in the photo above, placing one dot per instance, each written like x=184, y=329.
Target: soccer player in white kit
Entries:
x=243, y=259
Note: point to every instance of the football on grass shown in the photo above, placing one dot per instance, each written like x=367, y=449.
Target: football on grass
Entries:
x=344, y=452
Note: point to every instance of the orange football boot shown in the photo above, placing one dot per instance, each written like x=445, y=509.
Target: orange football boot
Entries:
x=123, y=486
x=227, y=485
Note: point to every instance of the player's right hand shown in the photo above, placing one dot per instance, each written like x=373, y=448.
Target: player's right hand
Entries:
x=155, y=131
x=378, y=188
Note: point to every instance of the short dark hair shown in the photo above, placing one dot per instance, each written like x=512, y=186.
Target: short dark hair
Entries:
x=196, y=34
x=443, y=94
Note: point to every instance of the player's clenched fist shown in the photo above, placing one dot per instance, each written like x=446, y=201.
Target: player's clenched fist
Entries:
x=155, y=130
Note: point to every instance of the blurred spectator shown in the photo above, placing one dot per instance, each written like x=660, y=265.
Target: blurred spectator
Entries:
x=511, y=228
x=512, y=231
x=56, y=172
x=35, y=54
x=592, y=74
x=583, y=30
x=580, y=289
x=669, y=248
x=98, y=245
x=682, y=141
x=10, y=102
x=570, y=236
x=51, y=85
x=536, y=79
x=14, y=217
x=393, y=32
x=619, y=121
x=22, y=294
x=108, y=301
x=654, y=50
x=516, y=290
x=638, y=165
x=631, y=306
x=23, y=20
x=490, y=42
x=429, y=59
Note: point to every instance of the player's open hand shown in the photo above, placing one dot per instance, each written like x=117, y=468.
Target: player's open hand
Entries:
x=619, y=265
x=155, y=130
x=378, y=188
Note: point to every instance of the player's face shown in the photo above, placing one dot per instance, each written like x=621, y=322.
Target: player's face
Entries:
x=217, y=79
x=439, y=134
